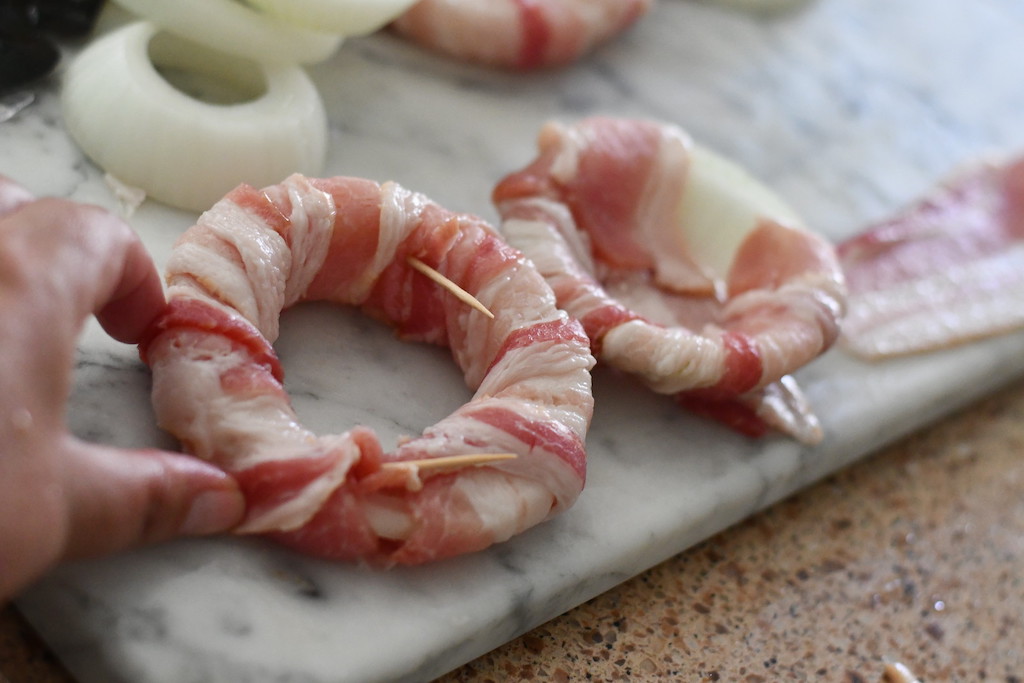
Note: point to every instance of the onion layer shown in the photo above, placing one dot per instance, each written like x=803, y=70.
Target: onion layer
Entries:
x=345, y=17
x=232, y=27
x=721, y=204
x=137, y=126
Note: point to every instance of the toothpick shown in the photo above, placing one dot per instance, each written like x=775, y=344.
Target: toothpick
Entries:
x=461, y=294
x=453, y=461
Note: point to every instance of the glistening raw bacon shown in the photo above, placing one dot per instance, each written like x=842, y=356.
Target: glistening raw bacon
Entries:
x=599, y=210
x=218, y=387
x=947, y=270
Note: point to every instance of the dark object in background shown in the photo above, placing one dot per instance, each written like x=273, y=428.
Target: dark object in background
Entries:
x=27, y=49
x=24, y=57
x=64, y=18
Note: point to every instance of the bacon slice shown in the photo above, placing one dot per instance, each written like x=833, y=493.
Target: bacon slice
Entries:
x=946, y=270
x=218, y=386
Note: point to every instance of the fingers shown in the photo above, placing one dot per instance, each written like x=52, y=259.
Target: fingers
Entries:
x=78, y=260
x=118, y=499
x=137, y=298
x=12, y=195
x=61, y=261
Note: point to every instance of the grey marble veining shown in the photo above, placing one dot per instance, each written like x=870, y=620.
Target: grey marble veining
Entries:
x=849, y=108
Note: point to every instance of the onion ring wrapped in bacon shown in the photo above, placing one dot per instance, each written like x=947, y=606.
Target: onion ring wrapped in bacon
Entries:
x=517, y=34
x=217, y=383
x=717, y=315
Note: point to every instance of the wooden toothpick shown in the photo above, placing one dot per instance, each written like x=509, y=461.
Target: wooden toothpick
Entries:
x=450, y=461
x=461, y=294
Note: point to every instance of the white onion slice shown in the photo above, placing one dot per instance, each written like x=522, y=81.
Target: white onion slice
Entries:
x=721, y=205
x=346, y=17
x=232, y=27
x=181, y=150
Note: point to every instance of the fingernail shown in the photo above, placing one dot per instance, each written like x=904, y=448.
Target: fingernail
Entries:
x=213, y=512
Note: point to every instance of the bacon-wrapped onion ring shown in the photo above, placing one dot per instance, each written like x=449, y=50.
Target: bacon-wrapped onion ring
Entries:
x=217, y=383
x=603, y=211
x=235, y=28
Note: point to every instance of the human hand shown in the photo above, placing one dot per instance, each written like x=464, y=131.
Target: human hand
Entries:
x=60, y=497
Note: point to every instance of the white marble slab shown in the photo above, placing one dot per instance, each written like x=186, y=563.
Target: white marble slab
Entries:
x=849, y=108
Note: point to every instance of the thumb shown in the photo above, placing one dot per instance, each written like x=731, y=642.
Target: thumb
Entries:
x=118, y=499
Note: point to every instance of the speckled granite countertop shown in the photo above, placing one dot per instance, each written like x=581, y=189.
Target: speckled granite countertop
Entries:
x=911, y=556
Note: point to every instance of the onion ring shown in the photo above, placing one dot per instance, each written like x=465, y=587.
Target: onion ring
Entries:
x=345, y=17
x=232, y=27
x=180, y=150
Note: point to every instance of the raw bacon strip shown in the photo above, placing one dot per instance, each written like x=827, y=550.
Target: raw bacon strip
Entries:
x=217, y=384
x=945, y=271
x=599, y=211
x=779, y=406
x=518, y=34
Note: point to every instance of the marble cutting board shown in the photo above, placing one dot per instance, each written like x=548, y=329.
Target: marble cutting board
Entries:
x=850, y=109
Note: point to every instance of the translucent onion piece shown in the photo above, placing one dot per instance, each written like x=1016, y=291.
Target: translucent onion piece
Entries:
x=721, y=204
x=232, y=27
x=184, y=151
x=346, y=17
